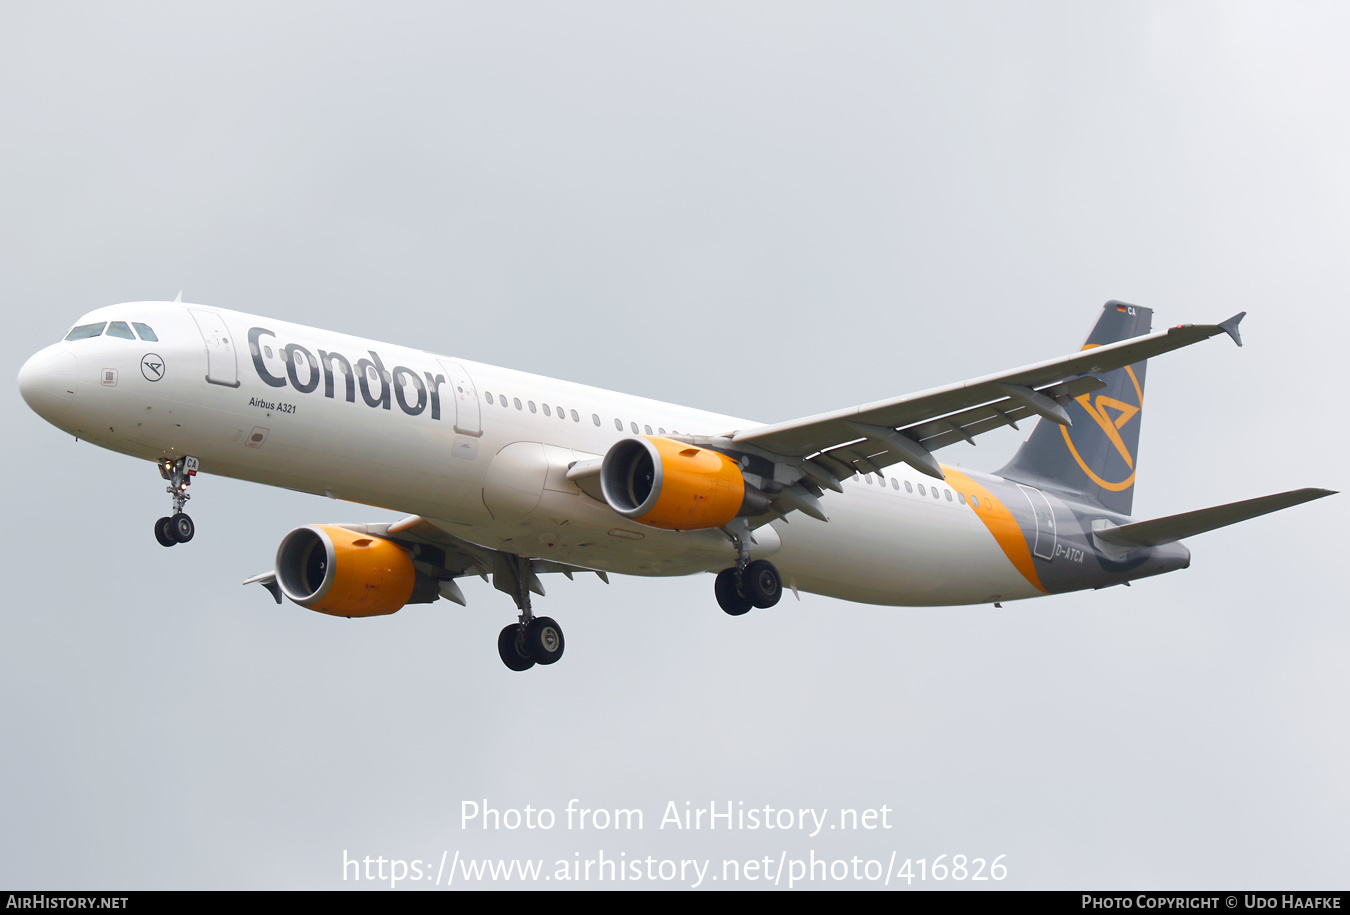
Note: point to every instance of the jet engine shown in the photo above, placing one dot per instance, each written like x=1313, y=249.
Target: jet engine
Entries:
x=668, y=484
x=340, y=572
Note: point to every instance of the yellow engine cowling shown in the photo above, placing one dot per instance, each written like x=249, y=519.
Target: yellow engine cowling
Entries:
x=333, y=570
x=671, y=485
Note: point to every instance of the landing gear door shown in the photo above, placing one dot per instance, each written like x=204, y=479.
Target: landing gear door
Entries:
x=465, y=398
x=1046, y=537
x=220, y=362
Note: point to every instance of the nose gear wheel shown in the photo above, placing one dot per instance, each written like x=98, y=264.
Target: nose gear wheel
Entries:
x=178, y=527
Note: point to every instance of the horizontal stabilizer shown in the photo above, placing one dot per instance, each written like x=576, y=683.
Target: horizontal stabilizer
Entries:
x=1177, y=527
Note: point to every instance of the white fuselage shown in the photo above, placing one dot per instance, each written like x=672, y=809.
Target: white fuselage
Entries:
x=479, y=450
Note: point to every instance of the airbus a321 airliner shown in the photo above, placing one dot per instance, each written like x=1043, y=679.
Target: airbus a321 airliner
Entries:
x=511, y=475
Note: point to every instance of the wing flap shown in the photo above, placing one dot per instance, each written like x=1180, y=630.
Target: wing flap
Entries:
x=870, y=455
x=947, y=430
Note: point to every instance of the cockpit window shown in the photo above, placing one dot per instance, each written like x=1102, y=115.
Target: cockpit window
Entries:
x=145, y=332
x=120, y=329
x=86, y=330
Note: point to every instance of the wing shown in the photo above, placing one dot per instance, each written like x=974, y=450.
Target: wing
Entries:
x=792, y=463
x=443, y=557
x=832, y=446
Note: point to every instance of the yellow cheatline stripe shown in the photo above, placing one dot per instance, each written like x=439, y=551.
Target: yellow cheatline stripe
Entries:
x=1001, y=524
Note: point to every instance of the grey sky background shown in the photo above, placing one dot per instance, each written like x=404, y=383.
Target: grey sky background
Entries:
x=763, y=209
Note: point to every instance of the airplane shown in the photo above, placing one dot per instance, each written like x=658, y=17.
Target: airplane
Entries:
x=509, y=475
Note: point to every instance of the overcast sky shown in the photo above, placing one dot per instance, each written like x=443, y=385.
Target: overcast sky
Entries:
x=761, y=209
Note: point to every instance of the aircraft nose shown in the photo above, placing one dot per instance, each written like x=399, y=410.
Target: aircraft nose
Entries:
x=47, y=382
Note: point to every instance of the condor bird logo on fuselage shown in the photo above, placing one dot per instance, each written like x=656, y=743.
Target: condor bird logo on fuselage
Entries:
x=152, y=366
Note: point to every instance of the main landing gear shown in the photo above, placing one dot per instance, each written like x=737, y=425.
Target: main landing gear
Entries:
x=747, y=584
x=179, y=527
x=538, y=640
x=758, y=584
x=535, y=639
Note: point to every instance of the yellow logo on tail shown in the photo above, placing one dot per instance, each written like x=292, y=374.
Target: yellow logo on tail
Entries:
x=1111, y=427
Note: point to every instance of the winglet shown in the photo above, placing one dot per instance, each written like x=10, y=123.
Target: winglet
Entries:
x=179, y=297
x=1230, y=327
x=269, y=581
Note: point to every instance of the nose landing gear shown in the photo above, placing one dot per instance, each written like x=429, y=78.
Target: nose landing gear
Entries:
x=178, y=528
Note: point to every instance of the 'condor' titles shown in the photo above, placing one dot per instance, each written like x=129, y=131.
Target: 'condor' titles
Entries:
x=379, y=388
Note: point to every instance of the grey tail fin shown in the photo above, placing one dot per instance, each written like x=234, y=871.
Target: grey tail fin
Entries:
x=1096, y=458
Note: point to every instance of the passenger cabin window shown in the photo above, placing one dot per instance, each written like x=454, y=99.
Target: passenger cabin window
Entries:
x=647, y=429
x=487, y=395
x=618, y=424
x=120, y=329
x=85, y=331
x=595, y=418
x=909, y=487
x=975, y=500
x=146, y=333
x=518, y=406
x=532, y=409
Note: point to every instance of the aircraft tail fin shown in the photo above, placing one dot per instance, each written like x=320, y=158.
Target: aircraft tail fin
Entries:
x=1172, y=528
x=1096, y=457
